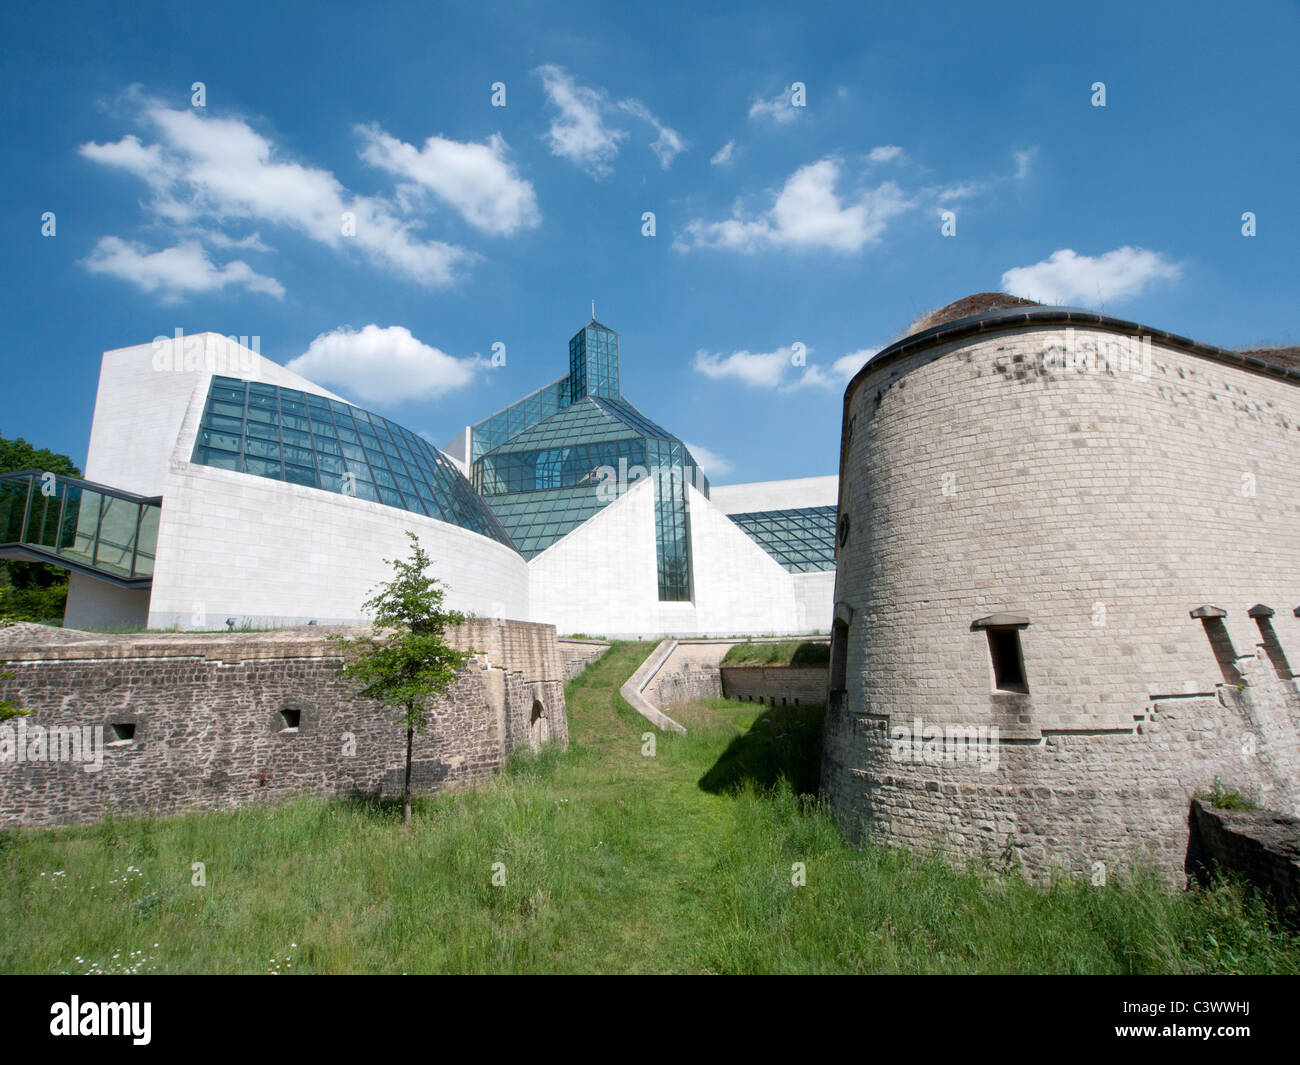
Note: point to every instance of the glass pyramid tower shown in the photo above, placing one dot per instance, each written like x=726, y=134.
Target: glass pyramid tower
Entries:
x=555, y=458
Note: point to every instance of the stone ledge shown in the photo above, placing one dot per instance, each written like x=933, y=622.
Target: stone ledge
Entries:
x=1261, y=845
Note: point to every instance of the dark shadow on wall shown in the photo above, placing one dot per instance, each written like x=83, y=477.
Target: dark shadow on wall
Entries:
x=786, y=741
x=1224, y=653
x=811, y=654
x=426, y=777
x=1255, y=847
x=1273, y=648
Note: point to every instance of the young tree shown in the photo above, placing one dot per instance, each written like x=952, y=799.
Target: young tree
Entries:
x=10, y=709
x=406, y=661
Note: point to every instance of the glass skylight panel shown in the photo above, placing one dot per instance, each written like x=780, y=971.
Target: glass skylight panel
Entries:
x=802, y=540
x=285, y=434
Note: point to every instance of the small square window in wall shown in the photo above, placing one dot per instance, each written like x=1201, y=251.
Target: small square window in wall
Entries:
x=121, y=733
x=290, y=719
x=1008, y=662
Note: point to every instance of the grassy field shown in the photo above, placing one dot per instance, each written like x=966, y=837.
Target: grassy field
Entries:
x=614, y=861
x=778, y=653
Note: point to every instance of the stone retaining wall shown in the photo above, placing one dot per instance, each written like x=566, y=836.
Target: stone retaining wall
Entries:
x=220, y=720
x=776, y=685
x=1261, y=845
x=577, y=655
x=693, y=670
x=689, y=673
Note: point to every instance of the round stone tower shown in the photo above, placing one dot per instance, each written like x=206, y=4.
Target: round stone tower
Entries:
x=1068, y=580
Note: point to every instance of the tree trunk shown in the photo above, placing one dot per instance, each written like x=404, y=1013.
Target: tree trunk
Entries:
x=406, y=788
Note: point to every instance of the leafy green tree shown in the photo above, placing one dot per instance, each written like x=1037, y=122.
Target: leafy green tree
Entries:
x=406, y=661
x=18, y=454
x=33, y=591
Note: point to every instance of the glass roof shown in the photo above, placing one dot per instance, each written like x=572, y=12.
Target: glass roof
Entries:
x=629, y=415
x=802, y=540
x=536, y=520
x=287, y=435
x=495, y=430
x=544, y=463
x=579, y=423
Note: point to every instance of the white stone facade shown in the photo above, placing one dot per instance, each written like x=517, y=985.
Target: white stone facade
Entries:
x=269, y=553
x=795, y=494
x=601, y=578
x=263, y=552
x=272, y=554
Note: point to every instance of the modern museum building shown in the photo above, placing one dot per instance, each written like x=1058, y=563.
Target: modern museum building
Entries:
x=222, y=489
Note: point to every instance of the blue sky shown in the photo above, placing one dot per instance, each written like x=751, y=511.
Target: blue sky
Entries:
x=783, y=215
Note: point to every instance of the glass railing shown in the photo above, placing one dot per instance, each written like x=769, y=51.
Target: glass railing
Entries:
x=79, y=525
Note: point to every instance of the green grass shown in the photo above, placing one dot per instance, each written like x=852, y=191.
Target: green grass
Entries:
x=614, y=862
x=1227, y=800
x=778, y=653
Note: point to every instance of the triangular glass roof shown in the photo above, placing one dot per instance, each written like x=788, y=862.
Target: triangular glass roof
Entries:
x=588, y=419
x=629, y=415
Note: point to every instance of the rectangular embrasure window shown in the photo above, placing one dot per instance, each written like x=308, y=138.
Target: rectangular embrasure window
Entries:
x=1008, y=662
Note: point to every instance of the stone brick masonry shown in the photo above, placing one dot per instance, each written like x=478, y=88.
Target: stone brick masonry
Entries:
x=577, y=655
x=980, y=477
x=694, y=671
x=776, y=685
x=1068, y=801
x=1261, y=845
x=212, y=717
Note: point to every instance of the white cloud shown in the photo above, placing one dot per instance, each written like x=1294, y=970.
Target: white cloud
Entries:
x=886, y=153
x=1065, y=277
x=777, y=370
x=963, y=190
x=807, y=213
x=221, y=168
x=578, y=133
x=175, y=272
x=382, y=365
x=713, y=464
x=1024, y=161
x=218, y=239
x=839, y=374
x=477, y=180
x=966, y=190
x=723, y=155
x=780, y=108
x=144, y=161
x=668, y=144
x=758, y=370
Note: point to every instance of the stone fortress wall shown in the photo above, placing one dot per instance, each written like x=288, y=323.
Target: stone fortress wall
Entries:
x=993, y=483
x=221, y=721
x=776, y=685
x=693, y=670
x=577, y=654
